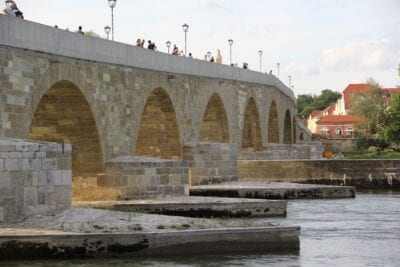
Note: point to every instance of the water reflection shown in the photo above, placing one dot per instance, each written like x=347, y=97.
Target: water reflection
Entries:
x=364, y=231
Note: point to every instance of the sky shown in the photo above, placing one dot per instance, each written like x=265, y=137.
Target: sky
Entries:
x=322, y=44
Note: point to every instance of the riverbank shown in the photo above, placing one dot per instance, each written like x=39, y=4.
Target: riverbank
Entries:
x=271, y=190
x=92, y=233
x=362, y=231
x=200, y=207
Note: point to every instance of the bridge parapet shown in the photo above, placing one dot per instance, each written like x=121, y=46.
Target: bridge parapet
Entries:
x=38, y=37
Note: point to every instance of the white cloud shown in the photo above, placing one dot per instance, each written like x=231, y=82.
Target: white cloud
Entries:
x=366, y=55
x=212, y=3
x=301, y=69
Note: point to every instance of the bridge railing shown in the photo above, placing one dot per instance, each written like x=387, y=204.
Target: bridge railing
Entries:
x=38, y=37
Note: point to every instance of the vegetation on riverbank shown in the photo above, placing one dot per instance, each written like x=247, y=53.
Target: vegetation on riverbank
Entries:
x=385, y=154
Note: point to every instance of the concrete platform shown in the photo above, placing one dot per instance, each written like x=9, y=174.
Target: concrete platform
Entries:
x=26, y=246
x=269, y=190
x=204, y=207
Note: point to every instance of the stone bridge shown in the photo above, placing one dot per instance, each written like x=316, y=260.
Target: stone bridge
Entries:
x=110, y=99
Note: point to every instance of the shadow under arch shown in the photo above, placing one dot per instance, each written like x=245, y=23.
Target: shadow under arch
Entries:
x=251, y=140
x=301, y=137
x=287, y=130
x=158, y=134
x=214, y=127
x=273, y=124
x=64, y=115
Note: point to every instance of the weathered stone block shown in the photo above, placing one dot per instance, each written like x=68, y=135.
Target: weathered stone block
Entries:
x=25, y=184
x=31, y=195
x=49, y=164
x=12, y=164
x=31, y=164
x=152, y=176
x=15, y=155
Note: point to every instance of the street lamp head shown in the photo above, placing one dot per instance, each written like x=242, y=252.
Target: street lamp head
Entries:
x=168, y=43
x=230, y=41
x=260, y=52
x=107, y=29
x=185, y=27
x=112, y=3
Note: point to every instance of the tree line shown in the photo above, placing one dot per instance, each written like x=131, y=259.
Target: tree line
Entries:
x=307, y=103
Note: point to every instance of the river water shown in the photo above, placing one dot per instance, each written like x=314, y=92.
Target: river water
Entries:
x=364, y=231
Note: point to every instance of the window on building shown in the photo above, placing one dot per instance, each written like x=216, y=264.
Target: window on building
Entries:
x=338, y=131
x=324, y=131
x=350, y=132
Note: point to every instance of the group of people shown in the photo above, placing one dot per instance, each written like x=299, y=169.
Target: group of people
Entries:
x=175, y=51
x=150, y=45
x=12, y=9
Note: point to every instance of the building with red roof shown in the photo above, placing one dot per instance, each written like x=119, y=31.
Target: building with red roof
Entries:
x=335, y=119
x=337, y=125
x=353, y=89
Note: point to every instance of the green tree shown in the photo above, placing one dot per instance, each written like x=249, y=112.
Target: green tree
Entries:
x=326, y=98
x=371, y=106
x=307, y=103
x=303, y=101
x=391, y=131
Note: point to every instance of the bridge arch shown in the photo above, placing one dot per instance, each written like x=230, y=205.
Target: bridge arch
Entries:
x=251, y=138
x=214, y=127
x=294, y=138
x=64, y=115
x=273, y=124
x=287, y=128
x=158, y=134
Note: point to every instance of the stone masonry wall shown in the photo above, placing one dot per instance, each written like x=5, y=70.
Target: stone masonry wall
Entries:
x=36, y=58
x=142, y=177
x=359, y=173
x=312, y=150
x=211, y=163
x=35, y=178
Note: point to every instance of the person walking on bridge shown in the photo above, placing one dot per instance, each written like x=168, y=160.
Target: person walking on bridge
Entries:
x=12, y=9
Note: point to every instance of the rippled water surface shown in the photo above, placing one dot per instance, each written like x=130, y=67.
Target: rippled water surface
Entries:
x=364, y=231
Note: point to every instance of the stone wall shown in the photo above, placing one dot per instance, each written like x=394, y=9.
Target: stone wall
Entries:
x=359, y=173
x=141, y=177
x=35, y=178
x=211, y=163
x=119, y=90
x=340, y=145
x=312, y=150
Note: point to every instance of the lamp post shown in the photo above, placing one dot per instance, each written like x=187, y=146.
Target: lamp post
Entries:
x=290, y=81
x=112, y=4
x=185, y=28
x=260, y=53
x=107, y=29
x=278, y=65
x=230, y=42
x=168, y=43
